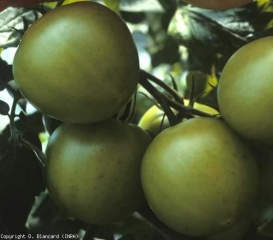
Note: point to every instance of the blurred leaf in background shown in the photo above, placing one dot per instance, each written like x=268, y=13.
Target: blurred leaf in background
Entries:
x=12, y=21
x=113, y=4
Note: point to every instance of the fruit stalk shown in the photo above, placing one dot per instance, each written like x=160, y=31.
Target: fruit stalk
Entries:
x=143, y=80
x=162, y=84
x=180, y=107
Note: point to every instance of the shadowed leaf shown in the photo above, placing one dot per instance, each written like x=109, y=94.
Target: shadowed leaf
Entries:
x=4, y=108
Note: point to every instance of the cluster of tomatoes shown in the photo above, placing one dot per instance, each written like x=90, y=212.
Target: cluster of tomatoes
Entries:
x=203, y=176
x=199, y=177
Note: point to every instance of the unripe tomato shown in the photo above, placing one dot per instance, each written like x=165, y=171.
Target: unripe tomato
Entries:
x=78, y=63
x=218, y=4
x=93, y=171
x=152, y=118
x=245, y=91
x=199, y=177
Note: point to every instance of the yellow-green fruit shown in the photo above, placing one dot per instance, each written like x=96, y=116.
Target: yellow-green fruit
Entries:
x=245, y=91
x=151, y=121
x=235, y=233
x=78, y=63
x=93, y=171
x=199, y=177
x=152, y=118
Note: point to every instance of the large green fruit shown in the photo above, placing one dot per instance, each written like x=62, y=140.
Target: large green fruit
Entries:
x=218, y=4
x=199, y=177
x=245, y=91
x=93, y=171
x=78, y=63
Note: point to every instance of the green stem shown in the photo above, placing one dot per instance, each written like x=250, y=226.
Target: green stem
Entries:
x=180, y=107
x=162, y=84
x=13, y=130
x=158, y=97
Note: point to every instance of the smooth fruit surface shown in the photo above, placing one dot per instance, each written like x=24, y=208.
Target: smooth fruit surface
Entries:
x=245, y=91
x=199, y=177
x=78, y=63
x=152, y=118
x=93, y=171
x=218, y=4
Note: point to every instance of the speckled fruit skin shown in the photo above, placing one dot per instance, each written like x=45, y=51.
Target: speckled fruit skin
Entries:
x=218, y=4
x=93, y=171
x=199, y=177
x=245, y=91
x=78, y=63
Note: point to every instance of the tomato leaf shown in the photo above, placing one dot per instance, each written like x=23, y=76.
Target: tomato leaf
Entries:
x=6, y=74
x=2, y=86
x=4, y=108
x=31, y=123
x=3, y=140
x=113, y=4
x=14, y=18
x=50, y=124
x=32, y=138
x=23, y=116
x=141, y=6
x=104, y=232
x=39, y=154
x=90, y=232
x=20, y=182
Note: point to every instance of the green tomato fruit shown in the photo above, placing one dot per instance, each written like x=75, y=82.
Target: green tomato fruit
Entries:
x=245, y=91
x=93, y=171
x=199, y=177
x=78, y=63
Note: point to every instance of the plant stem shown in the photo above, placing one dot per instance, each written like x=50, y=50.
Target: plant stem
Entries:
x=167, y=102
x=162, y=84
x=13, y=130
x=180, y=107
x=159, y=97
